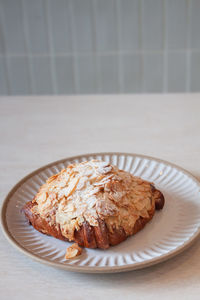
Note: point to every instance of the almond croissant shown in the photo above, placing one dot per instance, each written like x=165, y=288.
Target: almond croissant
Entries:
x=94, y=204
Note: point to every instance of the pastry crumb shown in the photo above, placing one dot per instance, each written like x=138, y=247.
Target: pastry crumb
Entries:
x=73, y=251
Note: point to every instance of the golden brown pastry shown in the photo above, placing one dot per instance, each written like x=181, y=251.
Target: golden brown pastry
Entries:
x=94, y=204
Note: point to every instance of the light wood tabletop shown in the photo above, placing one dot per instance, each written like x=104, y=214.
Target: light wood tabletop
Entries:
x=37, y=130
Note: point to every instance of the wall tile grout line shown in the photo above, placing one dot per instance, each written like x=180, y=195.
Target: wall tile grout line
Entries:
x=118, y=26
x=60, y=54
x=163, y=44
x=51, y=48
x=74, y=47
x=27, y=46
x=6, y=71
x=98, y=67
x=141, y=36
x=94, y=42
x=7, y=60
x=188, y=53
x=165, y=47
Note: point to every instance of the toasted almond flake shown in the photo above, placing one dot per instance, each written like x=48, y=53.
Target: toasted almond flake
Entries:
x=103, y=180
x=70, y=207
x=82, y=183
x=105, y=170
x=92, y=192
x=73, y=251
x=91, y=201
x=42, y=197
x=70, y=188
x=52, y=178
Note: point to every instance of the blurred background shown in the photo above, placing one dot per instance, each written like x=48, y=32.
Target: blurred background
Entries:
x=99, y=46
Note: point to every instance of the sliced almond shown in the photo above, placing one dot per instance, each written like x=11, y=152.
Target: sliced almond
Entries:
x=42, y=197
x=73, y=251
x=52, y=178
x=105, y=170
x=70, y=188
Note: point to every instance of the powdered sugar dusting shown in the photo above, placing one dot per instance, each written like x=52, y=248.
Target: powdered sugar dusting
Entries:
x=92, y=190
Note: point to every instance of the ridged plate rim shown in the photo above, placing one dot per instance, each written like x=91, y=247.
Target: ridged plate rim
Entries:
x=94, y=269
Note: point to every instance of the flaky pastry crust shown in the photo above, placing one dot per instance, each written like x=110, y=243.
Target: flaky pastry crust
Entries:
x=94, y=204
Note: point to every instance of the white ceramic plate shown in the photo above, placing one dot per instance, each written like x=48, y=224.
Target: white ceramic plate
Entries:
x=171, y=230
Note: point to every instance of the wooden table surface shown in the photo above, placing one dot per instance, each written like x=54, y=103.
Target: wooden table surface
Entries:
x=37, y=130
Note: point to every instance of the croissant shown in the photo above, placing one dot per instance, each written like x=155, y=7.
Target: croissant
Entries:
x=93, y=204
